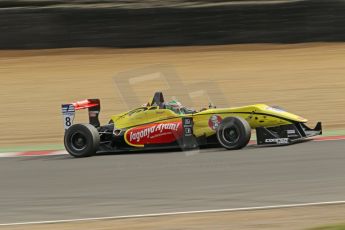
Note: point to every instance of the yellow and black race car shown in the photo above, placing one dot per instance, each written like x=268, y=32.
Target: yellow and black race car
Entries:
x=162, y=125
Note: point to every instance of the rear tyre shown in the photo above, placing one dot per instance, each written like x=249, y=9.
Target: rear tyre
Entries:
x=234, y=133
x=81, y=140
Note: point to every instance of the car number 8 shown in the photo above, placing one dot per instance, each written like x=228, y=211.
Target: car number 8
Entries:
x=68, y=121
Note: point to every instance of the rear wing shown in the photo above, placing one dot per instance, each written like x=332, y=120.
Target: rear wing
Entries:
x=68, y=111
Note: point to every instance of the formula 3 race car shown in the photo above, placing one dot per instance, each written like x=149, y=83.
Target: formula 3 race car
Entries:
x=162, y=125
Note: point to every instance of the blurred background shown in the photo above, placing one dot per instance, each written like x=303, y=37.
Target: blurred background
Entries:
x=286, y=53
x=33, y=24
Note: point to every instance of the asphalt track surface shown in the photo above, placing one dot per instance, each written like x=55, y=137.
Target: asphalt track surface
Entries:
x=61, y=187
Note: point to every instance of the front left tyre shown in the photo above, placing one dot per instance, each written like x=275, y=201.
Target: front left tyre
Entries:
x=234, y=133
x=81, y=140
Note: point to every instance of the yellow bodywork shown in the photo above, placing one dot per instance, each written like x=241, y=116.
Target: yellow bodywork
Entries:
x=258, y=115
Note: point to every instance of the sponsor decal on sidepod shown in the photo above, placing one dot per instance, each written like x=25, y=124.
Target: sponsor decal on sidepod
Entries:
x=214, y=121
x=156, y=133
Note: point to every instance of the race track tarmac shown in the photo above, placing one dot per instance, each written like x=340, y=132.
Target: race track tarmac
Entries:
x=61, y=187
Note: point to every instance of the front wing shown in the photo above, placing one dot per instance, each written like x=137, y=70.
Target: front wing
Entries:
x=286, y=134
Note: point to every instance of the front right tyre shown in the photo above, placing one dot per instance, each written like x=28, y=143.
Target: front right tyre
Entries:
x=81, y=140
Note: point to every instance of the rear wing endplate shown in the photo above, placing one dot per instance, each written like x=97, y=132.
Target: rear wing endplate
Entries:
x=68, y=111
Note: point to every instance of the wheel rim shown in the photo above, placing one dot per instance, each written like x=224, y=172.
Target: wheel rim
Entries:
x=78, y=141
x=231, y=135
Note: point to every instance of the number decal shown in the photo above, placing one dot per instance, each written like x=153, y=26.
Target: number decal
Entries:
x=68, y=121
x=68, y=112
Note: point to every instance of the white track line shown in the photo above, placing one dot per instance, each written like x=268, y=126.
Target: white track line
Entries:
x=11, y=154
x=19, y=154
x=177, y=213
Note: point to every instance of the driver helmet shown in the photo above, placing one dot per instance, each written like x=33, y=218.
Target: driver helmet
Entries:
x=175, y=106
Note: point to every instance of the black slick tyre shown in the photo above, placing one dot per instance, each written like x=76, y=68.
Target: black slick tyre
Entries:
x=234, y=133
x=81, y=140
